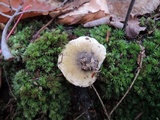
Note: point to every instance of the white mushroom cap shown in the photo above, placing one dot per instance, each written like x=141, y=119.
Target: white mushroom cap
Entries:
x=80, y=60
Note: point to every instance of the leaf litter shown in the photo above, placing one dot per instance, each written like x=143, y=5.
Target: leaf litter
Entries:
x=89, y=13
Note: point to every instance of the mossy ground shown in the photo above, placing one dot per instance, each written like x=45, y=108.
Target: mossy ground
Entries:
x=42, y=92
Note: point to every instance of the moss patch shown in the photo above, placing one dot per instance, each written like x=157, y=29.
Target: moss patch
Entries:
x=43, y=93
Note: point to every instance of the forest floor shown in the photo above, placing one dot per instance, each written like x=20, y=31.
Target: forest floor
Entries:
x=84, y=103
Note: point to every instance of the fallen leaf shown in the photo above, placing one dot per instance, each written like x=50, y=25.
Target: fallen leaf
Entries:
x=94, y=9
x=67, y=8
x=87, y=12
x=80, y=19
x=117, y=13
x=119, y=7
x=133, y=28
x=39, y=7
x=116, y=8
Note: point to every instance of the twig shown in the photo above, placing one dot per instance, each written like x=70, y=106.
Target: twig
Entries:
x=9, y=2
x=82, y=114
x=138, y=116
x=19, y=13
x=8, y=6
x=5, y=73
x=17, y=21
x=142, y=55
x=63, y=3
x=128, y=13
x=5, y=50
x=5, y=15
x=37, y=33
x=10, y=108
x=104, y=108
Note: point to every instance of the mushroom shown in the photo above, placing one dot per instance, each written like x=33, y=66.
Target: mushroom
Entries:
x=80, y=60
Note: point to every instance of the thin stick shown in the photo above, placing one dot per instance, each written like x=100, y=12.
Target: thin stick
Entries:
x=9, y=2
x=105, y=110
x=8, y=6
x=142, y=55
x=82, y=114
x=37, y=33
x=128, y=13
x=17, y=21
x=5, y=50
x=5, y=15
x=5, y=73
x=19, y=13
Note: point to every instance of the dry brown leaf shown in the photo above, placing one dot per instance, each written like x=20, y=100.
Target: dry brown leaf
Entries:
x=117, y=8
x=87, y=12
x=92, y=10
x=68, y=8
x=133, y=28
x=38, y=7
x=80, y=19
x=120, y=7
x=69, y=20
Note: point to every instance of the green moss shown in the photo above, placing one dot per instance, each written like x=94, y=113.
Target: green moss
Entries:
x=157, y=34
x=22, y=38
x=99, y=33
x=40, y=97
x=150, y=23
x=80, y=31
x=118, y=71
x=19, y=42
x=43, y=53
x=39, y=92
x=42, y=93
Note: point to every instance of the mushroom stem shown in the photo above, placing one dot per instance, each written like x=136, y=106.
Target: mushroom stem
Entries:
x=82, y=100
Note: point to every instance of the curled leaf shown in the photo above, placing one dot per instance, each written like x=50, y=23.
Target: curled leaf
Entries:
x=133, y=28
x=94, y=9
x=119, y=7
